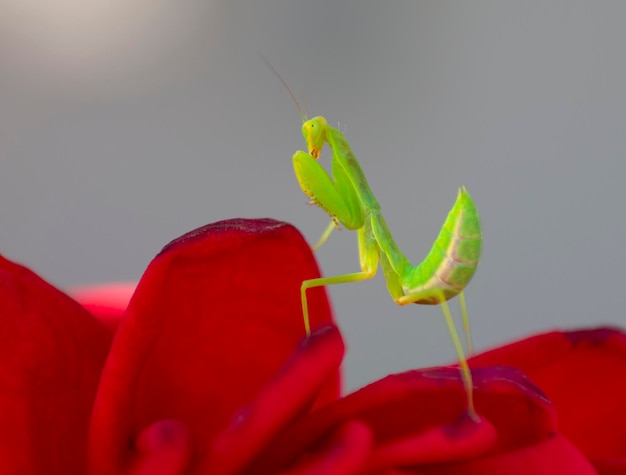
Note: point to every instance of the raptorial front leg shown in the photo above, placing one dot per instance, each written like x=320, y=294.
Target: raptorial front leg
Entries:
x=333, y=197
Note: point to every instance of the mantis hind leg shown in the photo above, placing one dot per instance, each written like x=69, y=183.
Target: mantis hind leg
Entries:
x=466, y=325
x=466, y=374
x=439, y=297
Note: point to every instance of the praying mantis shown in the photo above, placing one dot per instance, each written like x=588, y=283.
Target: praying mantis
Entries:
x=347, y=198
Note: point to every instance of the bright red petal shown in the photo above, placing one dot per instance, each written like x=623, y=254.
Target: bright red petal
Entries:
x=51, y=354
x=289, y=395
x=106, y=302
x=584, y=374
x=215, y=315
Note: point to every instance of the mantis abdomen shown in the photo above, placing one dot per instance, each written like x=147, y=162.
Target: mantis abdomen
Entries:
x=452, y=260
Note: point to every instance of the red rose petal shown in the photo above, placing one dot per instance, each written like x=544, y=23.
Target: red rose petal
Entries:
x=610, y=465
x=554, y=455
x=164, y=448
x=215, y=315
x=291, y=393
x=51, y=355
x=403, y=408
x=462, y=440
x=345, y=453
x=583, y=374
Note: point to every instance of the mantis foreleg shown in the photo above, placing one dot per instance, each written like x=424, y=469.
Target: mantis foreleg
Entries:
x=336, y=197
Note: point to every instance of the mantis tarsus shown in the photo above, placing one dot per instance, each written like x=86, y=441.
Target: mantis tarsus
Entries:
x=348, y=199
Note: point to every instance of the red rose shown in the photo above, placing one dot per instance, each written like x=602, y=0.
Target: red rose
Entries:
x=209, y=373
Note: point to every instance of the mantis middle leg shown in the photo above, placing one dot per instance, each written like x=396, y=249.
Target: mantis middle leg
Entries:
x=324, y=237
x=368, y=255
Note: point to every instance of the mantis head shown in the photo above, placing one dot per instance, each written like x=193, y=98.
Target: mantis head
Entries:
x=314, y=131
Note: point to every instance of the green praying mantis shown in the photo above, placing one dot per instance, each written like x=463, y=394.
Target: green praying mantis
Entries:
x=347, y=198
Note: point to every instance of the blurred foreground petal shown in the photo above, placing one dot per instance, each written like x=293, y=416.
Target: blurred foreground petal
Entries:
x=51, y=354
x=106, y=302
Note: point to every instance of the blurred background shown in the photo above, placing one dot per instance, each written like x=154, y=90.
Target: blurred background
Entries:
x=125, y=123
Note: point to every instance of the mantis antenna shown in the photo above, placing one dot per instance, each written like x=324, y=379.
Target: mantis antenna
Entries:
x=301, y=111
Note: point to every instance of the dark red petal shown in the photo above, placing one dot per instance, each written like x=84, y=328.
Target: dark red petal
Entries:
x=583, y=374
x=288, y=395
x=164, y=448
x=106, y=302
x=462, y=440
x=552, y=456
x=610, y=465
x=404, y=409
x=344, y=453
x=51, y=354
x=215, y=315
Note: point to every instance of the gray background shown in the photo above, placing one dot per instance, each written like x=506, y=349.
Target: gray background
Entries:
x=125, y=123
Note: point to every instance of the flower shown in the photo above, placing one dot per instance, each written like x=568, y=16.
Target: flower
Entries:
x=206, y=370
